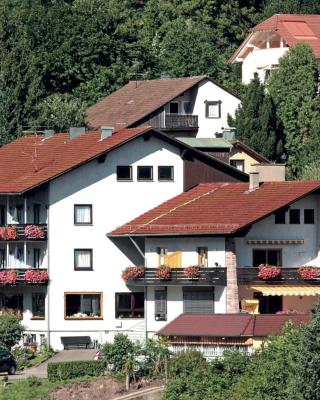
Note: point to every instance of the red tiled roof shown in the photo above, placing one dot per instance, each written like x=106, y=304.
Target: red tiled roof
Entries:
x=137, y=99
x=294, y=28
x=217, y=208
x=33, y=160
x=230, y=325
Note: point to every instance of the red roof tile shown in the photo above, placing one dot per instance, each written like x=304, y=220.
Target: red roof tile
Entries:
x=137, y=99
x=217, y=208
x=230, y=325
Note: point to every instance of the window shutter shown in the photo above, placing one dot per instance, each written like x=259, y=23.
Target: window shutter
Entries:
x=198, y=301
x=173, y=260
x=160, y=307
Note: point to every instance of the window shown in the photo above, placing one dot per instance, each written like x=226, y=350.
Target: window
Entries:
x=2, y=258
x=165, y=173
x=124, y=173
x=83, y=259
x=239, y=164
x=162, y=252
x=198, y=301
x=19, y=214
x=174, y=108
x=145, y=173
x=2, y=215
x=187, y=107
x=83, y=305
x=36, y=213
x=83, y=214
x=36, y=258
x=268, y=304
x=267, y=256
x=38, y=305
x=213, y=109
x=294, y=216
x=309, y=216
x=130, y=305
x=280, y=217
x=12, y=304
x=160, y=305
x=203, y=256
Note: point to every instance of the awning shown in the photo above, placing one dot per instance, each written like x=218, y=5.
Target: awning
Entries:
x=302, y=290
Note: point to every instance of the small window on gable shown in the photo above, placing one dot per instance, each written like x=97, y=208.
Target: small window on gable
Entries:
x=203, y=256
x=174, y=108
x=239, y=164
x=165, y=173
x=83, y=259
x=309, y=216
x=294, y=215
x=145, y=173
x=280, y=217
x=83, y=214
x=124, y=173
x=213, y=109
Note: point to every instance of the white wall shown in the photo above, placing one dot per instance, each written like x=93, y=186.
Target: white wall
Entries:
x=113, y=203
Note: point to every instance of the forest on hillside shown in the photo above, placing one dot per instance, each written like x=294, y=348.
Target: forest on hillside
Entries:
x=59, y=56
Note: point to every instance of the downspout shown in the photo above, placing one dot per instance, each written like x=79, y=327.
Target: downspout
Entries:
x=145, y=289
x=48, y=267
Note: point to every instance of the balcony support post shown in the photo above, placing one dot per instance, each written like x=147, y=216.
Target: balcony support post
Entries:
x=25, y=210
x=7, y=209
x=232, y=282
x=25, y=253
x=7, y=255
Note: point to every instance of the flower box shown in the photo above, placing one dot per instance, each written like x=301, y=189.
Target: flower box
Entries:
x=8, y=277
x=36, y=276
x=164, y=272
x=34, y=232
x=132, y=273
x=9, y=233
x=267, y=272
x=192, y=272
x=308, y=272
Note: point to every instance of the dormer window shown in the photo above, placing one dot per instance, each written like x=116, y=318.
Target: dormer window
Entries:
x=174, y=108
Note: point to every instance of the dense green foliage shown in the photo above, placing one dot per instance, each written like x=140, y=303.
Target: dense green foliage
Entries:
x=27, y=358
x=60, y=371
x=11, y=330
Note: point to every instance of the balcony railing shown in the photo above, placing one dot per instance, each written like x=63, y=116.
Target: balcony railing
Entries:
x=13, y=277
x=249, y=275
x=16, y=232
x=208, y=277
x=175, y=121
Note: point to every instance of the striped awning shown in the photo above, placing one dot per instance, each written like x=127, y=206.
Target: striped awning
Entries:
x=282, y=290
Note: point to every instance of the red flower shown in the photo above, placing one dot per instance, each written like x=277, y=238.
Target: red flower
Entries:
x=34, y=232
x=192, y=272
x=307, y=272
x=8, y=277
x=36, y=276
x=132, y=273
x=163, y=272
x=9, y=233
x=268, y=271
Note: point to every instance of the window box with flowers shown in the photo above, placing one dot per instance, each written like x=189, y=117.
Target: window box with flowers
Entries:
x=34, y=232
x=9, y=233
x=309, y=272
x=192, y=272
x=8, y=277
x=35, y=276
x=268, y=272
x=132, y=273
x=163, y=272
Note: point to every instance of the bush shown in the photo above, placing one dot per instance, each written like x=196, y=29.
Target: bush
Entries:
x=186, y=363
x=23, y=357
x=75, y=369
x=118, y=352
x=11, y=330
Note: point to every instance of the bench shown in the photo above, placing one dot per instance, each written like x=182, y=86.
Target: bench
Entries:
x=75, y=342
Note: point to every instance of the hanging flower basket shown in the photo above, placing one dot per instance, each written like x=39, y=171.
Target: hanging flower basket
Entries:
x=8, y=277
x=192, y=272
x=9, y=233
x=36, y=276
x=309, y=272
x=164, y=272
x=267, y=272
x=132, y=273
x=34, y=232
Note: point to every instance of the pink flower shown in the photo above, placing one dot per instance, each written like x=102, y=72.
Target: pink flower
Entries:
x=8, y=277
x=163, y=272
x=268, y=271
x=308, y=272
x=192, y=272
x=132, y=273
x=36, y=276
x=34, y=232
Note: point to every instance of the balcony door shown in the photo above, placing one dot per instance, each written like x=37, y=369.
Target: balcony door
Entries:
x=267, y=256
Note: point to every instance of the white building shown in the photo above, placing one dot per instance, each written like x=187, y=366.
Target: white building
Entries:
x=268, y=41
x=59, y=196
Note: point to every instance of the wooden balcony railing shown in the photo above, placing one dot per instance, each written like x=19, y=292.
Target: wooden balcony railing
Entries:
x=174, y=121
x=16, y=232
x=36, y=276
x=208, y=277
x=249, y=275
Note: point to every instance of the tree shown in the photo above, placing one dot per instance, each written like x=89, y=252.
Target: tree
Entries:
x=256, y=122
x=290, y=7
x=11, y=330
x=293, y=88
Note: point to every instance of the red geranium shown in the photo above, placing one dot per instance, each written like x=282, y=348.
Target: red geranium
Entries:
x=192, y=272
x=163, y=272
x=308, y=272
x=36, y=276
x=8, y=277
x=34, y=232
x=9, y=233
x=268, y=271
x=132, y=273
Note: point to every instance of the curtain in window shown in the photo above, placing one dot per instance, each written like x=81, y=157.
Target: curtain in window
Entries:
x=83, y=214
x=83, y=259
x=90, y=304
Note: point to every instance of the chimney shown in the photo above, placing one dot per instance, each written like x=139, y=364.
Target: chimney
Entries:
x=76, y=131
x=106, y=131
x=254, y=181
x=48, y=133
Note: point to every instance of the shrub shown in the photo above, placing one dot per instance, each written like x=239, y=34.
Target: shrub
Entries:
x=186, y=362
x=23, y=357
x=75, y=369
x=11, y=330
x=118, y=352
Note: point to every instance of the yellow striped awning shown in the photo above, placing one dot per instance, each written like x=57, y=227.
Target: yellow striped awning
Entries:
x=302, y=290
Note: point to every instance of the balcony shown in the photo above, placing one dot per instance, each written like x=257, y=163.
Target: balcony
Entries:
x=23, y=276
x=208, y=277
x=249, y=275
x=23, y=232
x=181, y=121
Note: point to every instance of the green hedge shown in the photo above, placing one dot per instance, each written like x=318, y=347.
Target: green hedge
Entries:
x=74, y=369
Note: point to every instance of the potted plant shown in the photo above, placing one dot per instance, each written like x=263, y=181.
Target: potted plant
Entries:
x=8, y=277
x=35, y=276
x=34, y=232
x=309, y=272
x=192, y=272
x=132, y=273
x=267, y=271
x=164, y=272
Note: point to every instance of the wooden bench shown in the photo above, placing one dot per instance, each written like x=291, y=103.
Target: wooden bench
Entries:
x=75, y=342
